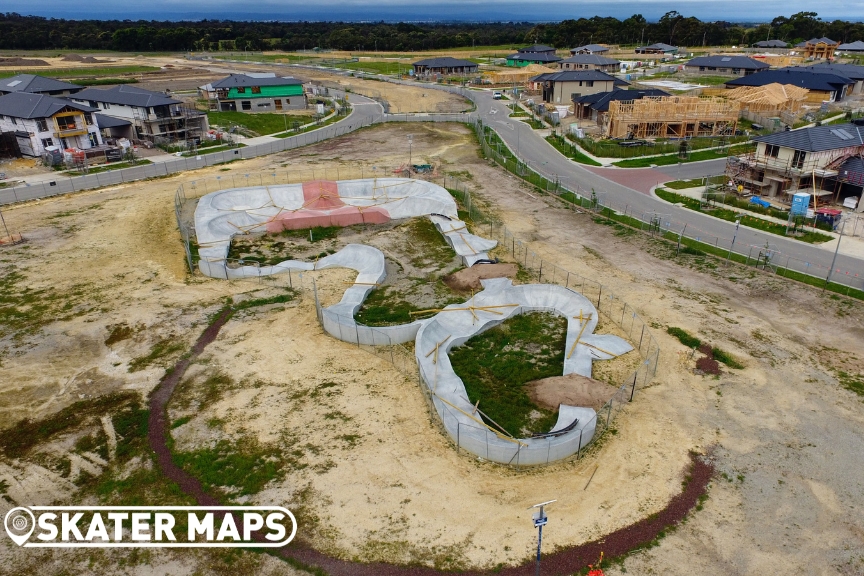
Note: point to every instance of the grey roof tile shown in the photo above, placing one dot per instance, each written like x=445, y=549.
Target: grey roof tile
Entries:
x=720, y=61
x=126, y=95
x=244, y=81
x=34, y=83
x=27, y=105
x=818, y=138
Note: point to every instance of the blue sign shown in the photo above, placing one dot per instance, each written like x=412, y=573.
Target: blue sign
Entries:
x=541, y=521
x=800, y=203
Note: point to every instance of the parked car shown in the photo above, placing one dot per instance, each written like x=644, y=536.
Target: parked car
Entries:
x=496, y=95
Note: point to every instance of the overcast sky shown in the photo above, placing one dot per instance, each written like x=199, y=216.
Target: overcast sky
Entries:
x=531, y=10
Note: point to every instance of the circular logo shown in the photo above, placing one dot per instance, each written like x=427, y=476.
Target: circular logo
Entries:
x=19, y=524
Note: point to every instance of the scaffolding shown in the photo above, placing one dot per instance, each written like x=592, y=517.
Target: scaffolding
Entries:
x=673, y=117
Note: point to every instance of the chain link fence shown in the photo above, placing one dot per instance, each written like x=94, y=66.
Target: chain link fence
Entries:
x=378, y=342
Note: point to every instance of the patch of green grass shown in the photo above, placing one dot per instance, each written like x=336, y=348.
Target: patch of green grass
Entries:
x=852, y=382
x=316, y=234
x=260, y=123
x=161, y=353
x=496, y=364
x=18, y=440
x=180, y=422
x=81, y=72
x=691, y=341
x=731, y=216
x=682, y=184
x=670, y=159
x=102, y=81
x=570, y=151
x=233, y=469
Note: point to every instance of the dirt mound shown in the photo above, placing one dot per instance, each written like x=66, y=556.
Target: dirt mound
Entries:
x=18, y=61
x=86, y=59
x=572, y=389
x=469, y=278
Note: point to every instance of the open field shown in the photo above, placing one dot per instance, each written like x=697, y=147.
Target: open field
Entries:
x=352, y=448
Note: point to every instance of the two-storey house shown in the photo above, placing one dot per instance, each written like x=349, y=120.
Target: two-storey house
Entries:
x=39, y=122
x=245, y=93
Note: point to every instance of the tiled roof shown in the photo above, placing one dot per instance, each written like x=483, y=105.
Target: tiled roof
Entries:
x=537, y=48
x=444, y=62
x=600, y=101
x=575, y=76
x=534, y=57
x=27, y=105
x=818, y=138
x=110, y=121
x=34, y=83
x=800, y=77
x=771, y=44
x=126, y=95
x=244, y=81
x=857, y=46
x=590, y=48
x=590, y=59
x=719, y=61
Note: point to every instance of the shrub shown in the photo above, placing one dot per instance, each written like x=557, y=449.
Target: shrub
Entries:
x=685, y=338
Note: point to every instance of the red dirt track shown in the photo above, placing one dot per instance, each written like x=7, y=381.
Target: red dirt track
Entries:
x=563, y=562
x=322, y=206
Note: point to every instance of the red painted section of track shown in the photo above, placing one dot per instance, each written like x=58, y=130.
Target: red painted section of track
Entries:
x=322, y=206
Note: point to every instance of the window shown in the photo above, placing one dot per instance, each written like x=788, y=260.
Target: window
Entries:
x=701, y=68
x=256, y=89
x=106, y=106
x=589, y=83
x=46, y=142
x=772, y=150
x=94, y=140
x=13, y=120
x=246, y=105
x=241, y=90
x=278, y=103
x=66, y=122
x=736, y=71
x=42, y=125
x=798, y=159
x=88, y=118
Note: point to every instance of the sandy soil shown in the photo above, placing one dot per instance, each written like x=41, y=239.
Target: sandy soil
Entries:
x=469, y=278
x=572, y=389
x=375, y=479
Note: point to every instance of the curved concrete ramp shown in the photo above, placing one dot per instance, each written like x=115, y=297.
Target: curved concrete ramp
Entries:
x=500, y=300
x=221, y=215
x=469, y=247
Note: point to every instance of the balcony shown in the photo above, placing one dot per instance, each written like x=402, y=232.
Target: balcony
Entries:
x=69, y=131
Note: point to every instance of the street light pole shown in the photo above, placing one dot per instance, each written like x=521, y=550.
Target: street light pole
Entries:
x=540, y=520
x=410, y=142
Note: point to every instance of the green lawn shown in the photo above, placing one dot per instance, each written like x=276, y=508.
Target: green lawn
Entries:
x=260, y=123
x=496, y=365
x=570, y=151
x=682, y=184
x=612, y=149
x=80, y=72
x=731, y=216
x=673, y=158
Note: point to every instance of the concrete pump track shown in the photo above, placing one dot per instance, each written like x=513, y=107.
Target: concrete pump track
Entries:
x=564, y=561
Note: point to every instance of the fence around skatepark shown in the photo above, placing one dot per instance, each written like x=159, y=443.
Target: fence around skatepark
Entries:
x=476, y=439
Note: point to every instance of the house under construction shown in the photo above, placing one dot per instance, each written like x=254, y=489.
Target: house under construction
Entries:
x=673, y=117
x=769, y=99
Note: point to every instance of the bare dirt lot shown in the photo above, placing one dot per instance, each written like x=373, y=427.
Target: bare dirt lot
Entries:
x=99, y=300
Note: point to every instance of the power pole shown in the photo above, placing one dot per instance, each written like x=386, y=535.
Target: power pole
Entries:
x=540, y=520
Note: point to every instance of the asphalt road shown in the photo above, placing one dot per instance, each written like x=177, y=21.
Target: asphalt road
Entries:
x=543, y=158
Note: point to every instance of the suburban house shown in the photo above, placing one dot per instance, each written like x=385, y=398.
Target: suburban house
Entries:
x=37, y=85
x=40, y=122
x=536, y=54
x=771, y=44
x=824, y=161
x=114, y=128
x=658, y=48
x=444, y=66
x=725, y=65
x=590, y=62
x=857, y=46
x=154, y=116
x=564, y=86
x=822, y=86
x=256, y=93
x=820, y=48
x=596, y=106
x=851, y=71
x=590, y=49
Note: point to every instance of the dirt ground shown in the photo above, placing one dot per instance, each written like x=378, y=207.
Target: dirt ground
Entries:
x=572, y=389
x=469, y=278
x=374, y=478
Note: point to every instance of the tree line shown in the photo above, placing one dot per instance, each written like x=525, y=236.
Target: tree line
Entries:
x=38, y=33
